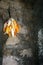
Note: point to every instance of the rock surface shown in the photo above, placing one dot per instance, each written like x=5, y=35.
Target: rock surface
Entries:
x=24, y=49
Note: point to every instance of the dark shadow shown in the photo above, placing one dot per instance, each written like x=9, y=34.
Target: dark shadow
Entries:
x=3, y=39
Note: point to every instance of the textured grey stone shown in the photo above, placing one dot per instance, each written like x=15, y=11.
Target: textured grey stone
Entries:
x=30, y=15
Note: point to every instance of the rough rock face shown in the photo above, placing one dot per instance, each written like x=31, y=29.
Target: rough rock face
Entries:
x=23, y=49
x=18, y=47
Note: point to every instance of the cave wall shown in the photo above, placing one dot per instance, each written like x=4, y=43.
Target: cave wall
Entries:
x=27, y=12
